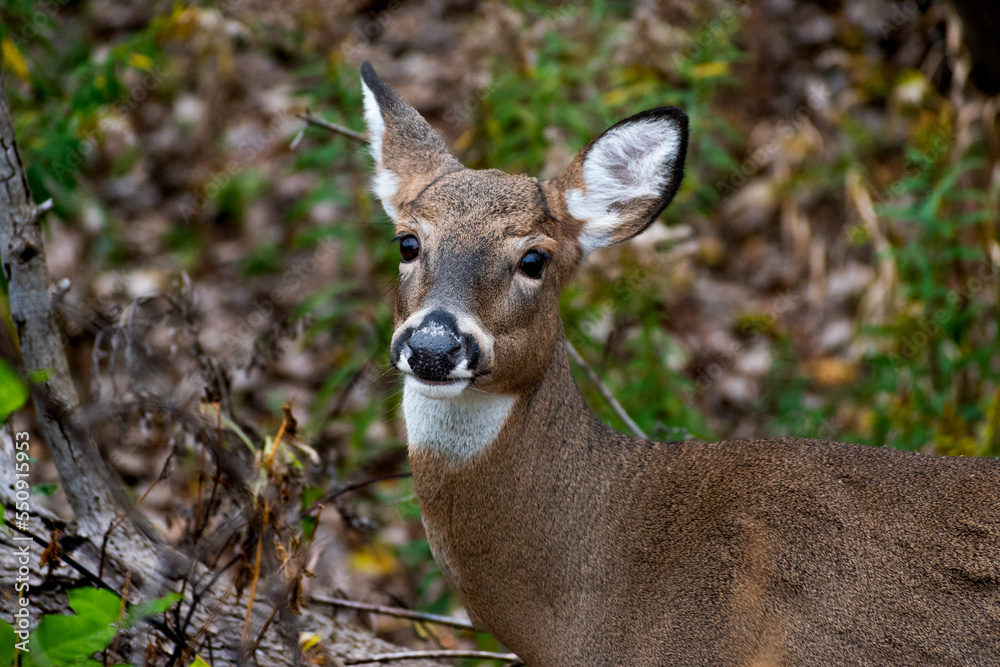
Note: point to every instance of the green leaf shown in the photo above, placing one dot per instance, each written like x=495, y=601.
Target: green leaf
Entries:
x=311, y=494
x=7, y=641
x=95, y=604
x=13, y=392
x=151, y=608
x=198, y=662
x=61, y=641
x=307, y=527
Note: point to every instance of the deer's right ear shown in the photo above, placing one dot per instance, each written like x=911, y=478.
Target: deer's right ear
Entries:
x=408, y=153
x=619, y=183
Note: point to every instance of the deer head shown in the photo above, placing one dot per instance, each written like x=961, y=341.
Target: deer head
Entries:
x=484, y=255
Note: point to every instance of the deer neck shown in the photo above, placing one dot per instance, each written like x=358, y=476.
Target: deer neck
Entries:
x=504, y=513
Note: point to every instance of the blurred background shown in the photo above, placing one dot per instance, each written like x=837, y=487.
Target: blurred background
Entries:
x=828, y=269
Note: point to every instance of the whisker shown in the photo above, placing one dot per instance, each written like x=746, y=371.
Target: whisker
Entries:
x=384, y=373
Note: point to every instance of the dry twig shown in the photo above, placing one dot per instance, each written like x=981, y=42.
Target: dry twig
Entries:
x=605, y=392
x=396, y=612
x=333, y=127
x=416, y=655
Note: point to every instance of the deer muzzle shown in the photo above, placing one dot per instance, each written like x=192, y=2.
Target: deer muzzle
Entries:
x=435, y=350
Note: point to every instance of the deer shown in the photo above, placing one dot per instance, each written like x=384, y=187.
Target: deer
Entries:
x=574, y=544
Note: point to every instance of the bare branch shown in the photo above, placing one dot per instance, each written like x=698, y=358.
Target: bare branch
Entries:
x=353, y=487
x=43, y=208
x=333, y=127
x=396, y=612
x=605, y=392
x=415, y=655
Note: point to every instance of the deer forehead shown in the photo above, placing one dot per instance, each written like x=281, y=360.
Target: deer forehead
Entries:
x=487, y=204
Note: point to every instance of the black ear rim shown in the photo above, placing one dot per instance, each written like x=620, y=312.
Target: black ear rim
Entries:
x=676, y=168
x=384, y=95
x=369, y=76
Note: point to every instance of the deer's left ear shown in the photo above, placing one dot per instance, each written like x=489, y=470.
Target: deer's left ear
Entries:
x=620, y=182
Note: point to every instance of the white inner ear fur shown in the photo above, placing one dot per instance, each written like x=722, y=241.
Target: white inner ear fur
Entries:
x=384, y=184
x=375, y=123
x=627, y=163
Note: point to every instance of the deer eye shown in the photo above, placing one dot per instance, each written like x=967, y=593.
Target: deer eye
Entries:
x=409, y=247
x=533, y=263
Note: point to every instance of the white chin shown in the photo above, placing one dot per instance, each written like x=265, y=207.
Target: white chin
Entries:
x=438, y=391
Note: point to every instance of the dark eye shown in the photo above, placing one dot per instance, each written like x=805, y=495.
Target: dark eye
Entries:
x=409, y=247
x=533, y=263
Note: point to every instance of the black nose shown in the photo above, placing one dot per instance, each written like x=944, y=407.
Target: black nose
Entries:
x=434, y=353
x=435, y=348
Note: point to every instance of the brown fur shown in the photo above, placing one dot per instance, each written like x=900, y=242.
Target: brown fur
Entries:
x=577, y=545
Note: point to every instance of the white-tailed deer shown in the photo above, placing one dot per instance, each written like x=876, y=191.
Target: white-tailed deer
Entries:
x=577, y=545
